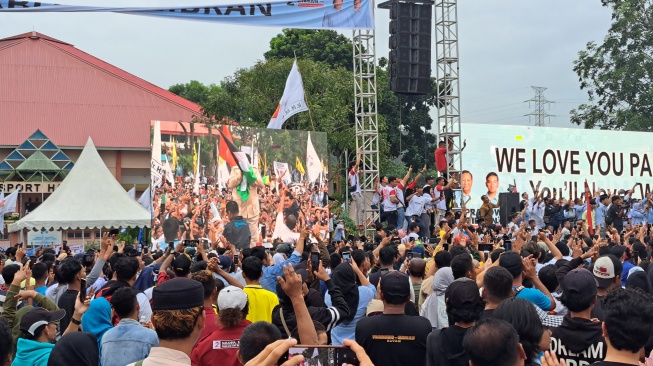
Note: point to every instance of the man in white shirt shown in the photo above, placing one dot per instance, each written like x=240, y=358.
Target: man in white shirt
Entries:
x=390, y=200
x=284, y=227
x=413, y=233
x=417, y=207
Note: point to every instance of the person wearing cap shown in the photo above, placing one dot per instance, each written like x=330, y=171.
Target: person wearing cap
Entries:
x=444, y=347
x=579, y=338
x=394, y=338
x=237, y=231
x=607, y=270
x=221, y=346
x=128, y=341
x=178, y=318
x=523, y=268
x=39, y=332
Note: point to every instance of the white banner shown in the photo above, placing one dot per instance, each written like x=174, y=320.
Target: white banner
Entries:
x=283, y=172
x=547, y=158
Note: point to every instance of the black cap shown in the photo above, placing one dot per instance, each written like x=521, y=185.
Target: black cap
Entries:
x=181, y=264
x=463, y=293
x=430, y=177
x=395, y=287
x=178, y=294
x=618, y=251
x=512, y=261
x=284, y=248
x=579, y=282
x=37, y=317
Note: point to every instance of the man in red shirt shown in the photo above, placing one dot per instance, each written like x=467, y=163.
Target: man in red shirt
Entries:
x=220, y=348
x=207, y=280
x=441, y=157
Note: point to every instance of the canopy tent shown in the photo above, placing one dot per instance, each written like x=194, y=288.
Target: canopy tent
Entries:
x=90, y=197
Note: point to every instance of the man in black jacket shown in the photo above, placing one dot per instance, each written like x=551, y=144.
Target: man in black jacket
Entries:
x=579, y=339
x=236, y=231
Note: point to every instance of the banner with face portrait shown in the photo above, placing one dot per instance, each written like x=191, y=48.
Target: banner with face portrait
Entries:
x=526, y=159
x=304, y=14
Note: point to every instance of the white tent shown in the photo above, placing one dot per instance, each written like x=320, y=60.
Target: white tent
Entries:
x=88, y=198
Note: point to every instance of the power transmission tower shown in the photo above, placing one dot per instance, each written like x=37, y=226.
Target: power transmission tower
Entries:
x=539, y=114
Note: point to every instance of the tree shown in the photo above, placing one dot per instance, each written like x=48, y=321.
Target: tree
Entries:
x=194, y=91
x=322, y=46
x=618, y=74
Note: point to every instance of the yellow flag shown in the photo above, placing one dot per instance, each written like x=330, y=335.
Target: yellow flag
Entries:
x=299, y=166
x=194, y=159
x=174, y=154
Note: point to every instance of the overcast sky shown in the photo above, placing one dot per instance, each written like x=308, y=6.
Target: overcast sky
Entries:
x=506, y=46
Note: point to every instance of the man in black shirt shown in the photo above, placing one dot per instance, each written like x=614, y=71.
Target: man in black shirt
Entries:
x=615, y=214
x=394, y=338
x=72, y=273
x=627, y=327
x=236, y=231
x=497, y=286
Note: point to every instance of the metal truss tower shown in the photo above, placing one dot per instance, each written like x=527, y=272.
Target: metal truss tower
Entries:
x=539, y=114
x=365, y=107
x=448, y=87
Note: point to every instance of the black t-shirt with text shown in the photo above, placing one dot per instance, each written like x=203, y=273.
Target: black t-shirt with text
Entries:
x=394, y=339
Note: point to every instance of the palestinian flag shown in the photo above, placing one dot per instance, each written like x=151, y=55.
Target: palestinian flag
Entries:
x=224, y=152
x=247, y=169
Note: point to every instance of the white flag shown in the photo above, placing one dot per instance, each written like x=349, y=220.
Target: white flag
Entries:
x=313, y=163
x=145, y=200
x=196, y=185
x=132, y=193
x=292, y=101
x=8, y=204
x=156, y=168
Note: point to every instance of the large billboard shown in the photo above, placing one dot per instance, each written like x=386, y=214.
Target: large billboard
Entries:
x=503, y=158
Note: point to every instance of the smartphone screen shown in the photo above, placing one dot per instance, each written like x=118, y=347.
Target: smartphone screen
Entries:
x=409, y=255
x=82, y=290
x=315, y=261
x=236, y=258
x=346, y=256
x=322, y=355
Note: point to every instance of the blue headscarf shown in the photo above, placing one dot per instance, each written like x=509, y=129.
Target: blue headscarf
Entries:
x=145, y=280
x=97, y=319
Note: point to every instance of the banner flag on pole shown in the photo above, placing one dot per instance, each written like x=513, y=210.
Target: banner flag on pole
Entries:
x=299, y=166
x=303, y=14
x=145, y=200
x=174, y=154
x=156, y=169
x=313, y=163
x=196, y=186
x=247, y=170
x=132, y=193
x=292, y=101
x=224, y=152
x=588, y=200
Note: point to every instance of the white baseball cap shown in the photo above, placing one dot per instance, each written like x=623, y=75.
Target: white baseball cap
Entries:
x=232, y=297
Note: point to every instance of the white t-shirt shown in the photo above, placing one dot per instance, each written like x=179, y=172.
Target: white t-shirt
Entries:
x=417, y=204
x=386, y=192
x=407, y=238
x=282, y=231
x=353, y=180
x=439, y=204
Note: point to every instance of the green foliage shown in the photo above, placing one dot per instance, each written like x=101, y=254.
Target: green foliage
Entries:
x=321, y=46
x=195, y=91
x=618, y=74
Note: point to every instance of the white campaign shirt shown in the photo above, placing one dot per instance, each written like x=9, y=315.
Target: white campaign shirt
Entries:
x=353, y=180
x=417, y=204
x=440, y=204
x=386, y=192
x=282, y=231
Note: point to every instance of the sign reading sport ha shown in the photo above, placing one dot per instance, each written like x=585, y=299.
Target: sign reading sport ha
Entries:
x=546, y=158
x=306, y=14
x=29, y=187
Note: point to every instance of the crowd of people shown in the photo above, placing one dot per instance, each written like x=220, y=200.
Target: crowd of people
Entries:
x=228, y=280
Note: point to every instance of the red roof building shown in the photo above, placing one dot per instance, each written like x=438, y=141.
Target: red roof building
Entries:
x=70, y=95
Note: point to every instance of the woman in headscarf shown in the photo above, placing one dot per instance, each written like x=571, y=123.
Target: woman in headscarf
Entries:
x=347, y=277
x=97, y=319
x=640, y=280
x=434, y=307
x=76, y=348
